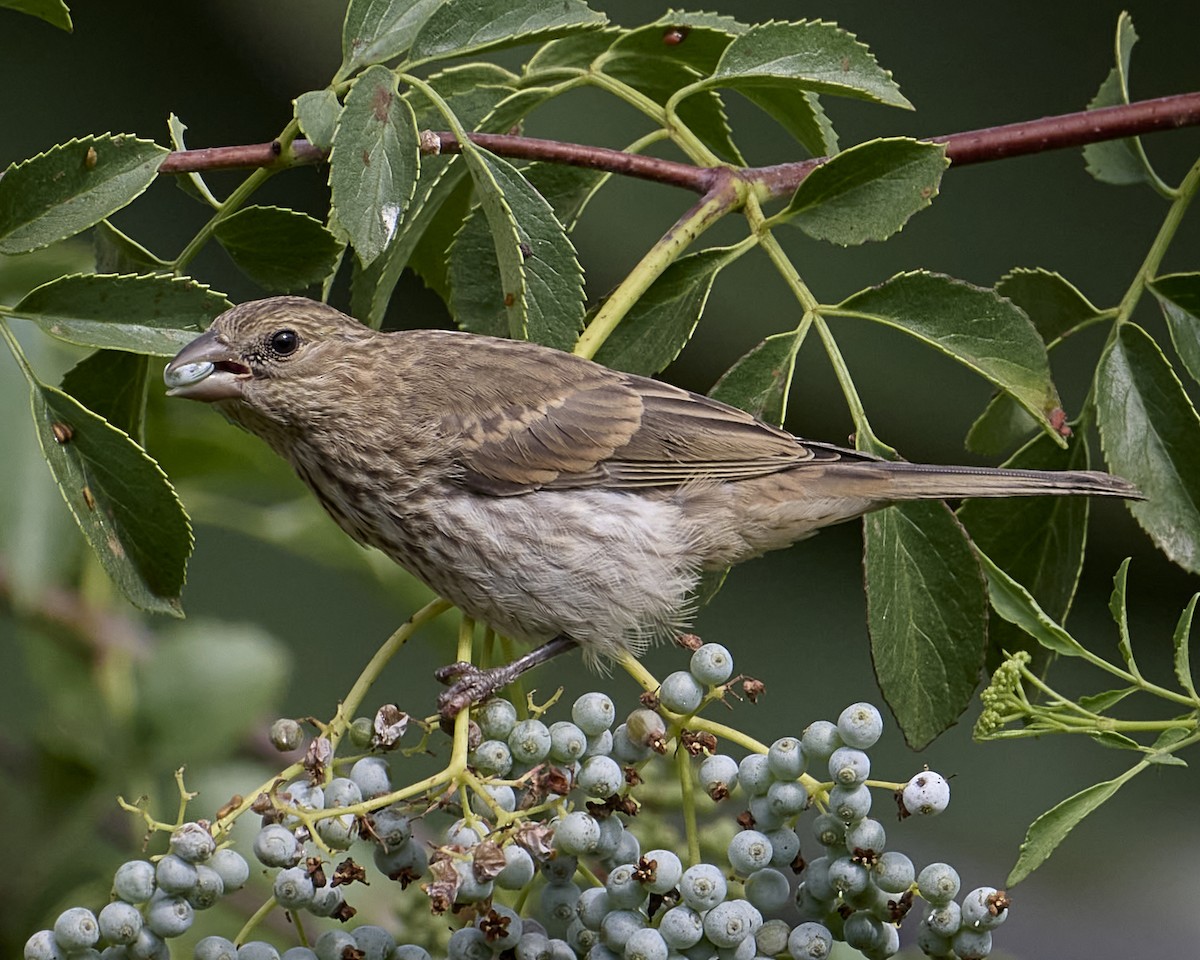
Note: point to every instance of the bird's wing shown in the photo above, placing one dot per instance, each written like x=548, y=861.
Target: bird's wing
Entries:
x=574, y=424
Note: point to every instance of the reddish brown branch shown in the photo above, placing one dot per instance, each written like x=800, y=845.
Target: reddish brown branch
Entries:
x=972, y=146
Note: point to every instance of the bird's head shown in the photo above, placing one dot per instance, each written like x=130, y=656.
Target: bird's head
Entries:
x=264, y=355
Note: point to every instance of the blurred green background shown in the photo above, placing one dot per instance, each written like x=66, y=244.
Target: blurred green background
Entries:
x=1123, y=884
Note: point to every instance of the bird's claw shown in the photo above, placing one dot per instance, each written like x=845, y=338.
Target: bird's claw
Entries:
x=469, y=684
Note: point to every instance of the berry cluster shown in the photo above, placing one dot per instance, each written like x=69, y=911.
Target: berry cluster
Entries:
x=529, y=846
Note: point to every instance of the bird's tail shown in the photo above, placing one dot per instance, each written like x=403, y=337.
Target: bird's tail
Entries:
x=919, y=481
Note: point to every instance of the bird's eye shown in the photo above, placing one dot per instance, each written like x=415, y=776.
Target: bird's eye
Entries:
x=284, y=342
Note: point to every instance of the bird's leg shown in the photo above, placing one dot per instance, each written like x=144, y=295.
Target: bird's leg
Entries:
x=471, y=684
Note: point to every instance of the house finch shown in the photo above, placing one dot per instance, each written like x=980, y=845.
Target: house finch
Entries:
x=545, y=495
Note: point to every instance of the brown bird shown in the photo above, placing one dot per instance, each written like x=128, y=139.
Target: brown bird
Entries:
x=549, y=497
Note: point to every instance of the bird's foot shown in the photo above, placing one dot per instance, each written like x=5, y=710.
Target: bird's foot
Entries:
x=468, y=684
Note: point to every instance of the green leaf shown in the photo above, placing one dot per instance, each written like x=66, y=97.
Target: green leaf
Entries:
x=1012, y=602
x=1039, y=541
x=461, y=27
x=927, y=615
x=121, y=499
x=475, y=93
x=1181, y=639
x=644, y=59
x=118, y=253
x=577, y=51
x=760, y=380
x=541, y=290
x=475, y=283
x=54, y=12
x=431, y=259
x=1099, y=702
x=191, y=183
x=1114, y=741
x=661, y=322
x=317, y=113
x=1162, y=745
x=155, y=315
x=374, y=163
x=800, y=113
x=1116, y=606
x=1179, y=296
x=568, y=190
x=112, y=384
x=974, y=326
x=280, y=249
x=809, y=55
x=1052, y=827
x=71, y=187
x=868, y=192
x=379, y=30
x=703, y=113
x=1151, y=436
x=1120, y=162
x=1003, y=424
x=1054, y=304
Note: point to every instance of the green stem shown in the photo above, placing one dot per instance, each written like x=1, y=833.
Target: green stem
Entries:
x=681, y=135
x=259, y=915
x=239, y=196
x=711, y=208
x=1166, y=233
x=865, y=438
x=370, y=673
x=687, y=801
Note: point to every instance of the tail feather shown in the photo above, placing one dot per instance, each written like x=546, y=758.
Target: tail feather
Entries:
x=918, y=481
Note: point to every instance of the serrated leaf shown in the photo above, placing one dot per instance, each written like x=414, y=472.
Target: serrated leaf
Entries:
x=474, y=92
x=118, y=253
x=1179, y=296
x=1151, y=436
x=112, y=384
x=703, y=113
x=660, y=324
x=576, y=51
x=800, y=113
x=1120, y=615
x=973, y=325
x=54, y=12
x=281, y=249
x=1039, y=541
x=461, y=27
x=927, y=615
x=1012, y=602
x=191, y=182
x=317, y=113
x=71, y=187
x=811, y=55
x=760, y=379
x=568, y=190
x=374, y=163
x=541, y=281
x=1003, y=424
x=1052, y=827
x=378, y=30
x=1099, y=702
x=121, y=499
x=430, y=258
x=474, y=280
x=868, y=192
x=1181, y=639
x=156, y=315
x=1053, y=303
x=1120, y=162
x=661, y=58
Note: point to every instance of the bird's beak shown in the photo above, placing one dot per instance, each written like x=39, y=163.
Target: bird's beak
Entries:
x=206, y=369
